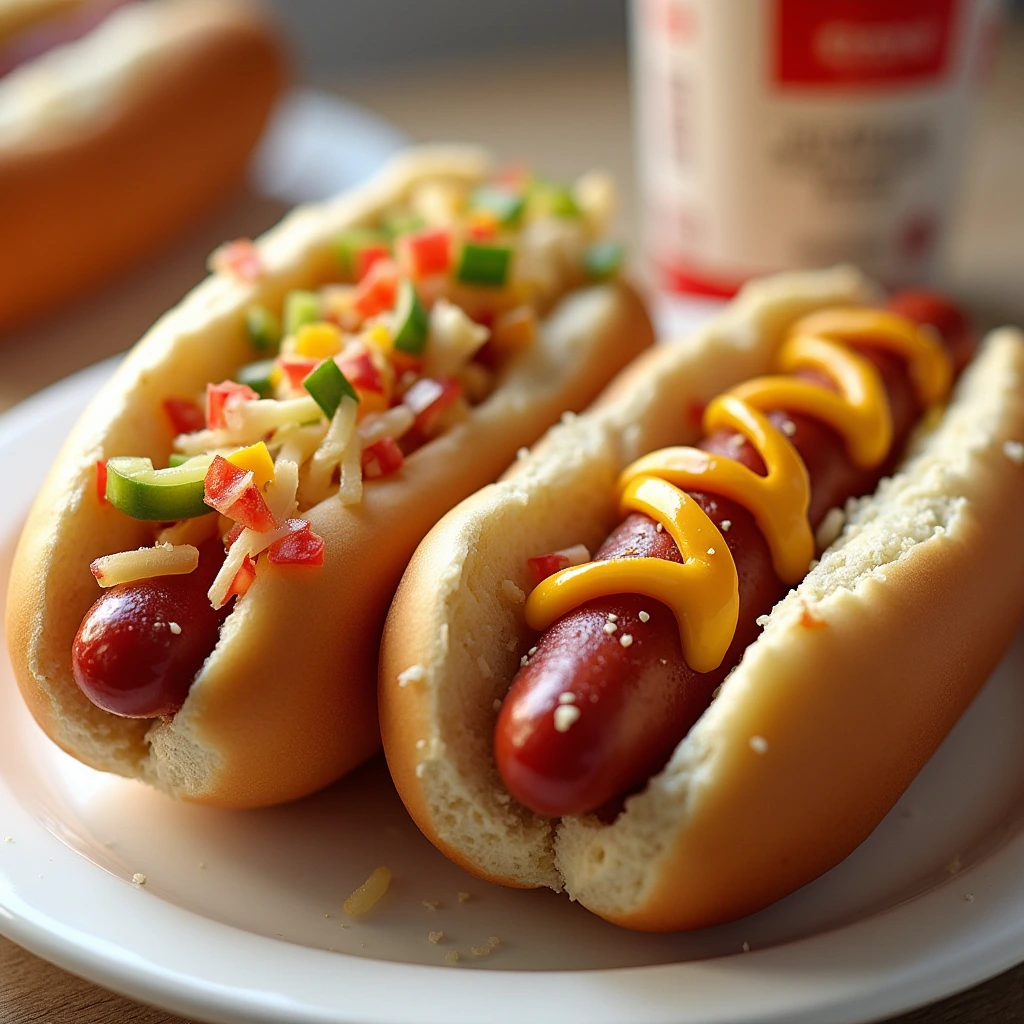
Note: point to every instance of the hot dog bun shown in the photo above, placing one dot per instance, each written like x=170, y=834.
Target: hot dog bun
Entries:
x=18, y=15
x=109, y=144
x=915, y=597
x=287, y=701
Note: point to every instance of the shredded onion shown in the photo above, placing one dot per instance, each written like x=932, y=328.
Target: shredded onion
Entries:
x=161, y=560
x=331, y=451
x=393, y=423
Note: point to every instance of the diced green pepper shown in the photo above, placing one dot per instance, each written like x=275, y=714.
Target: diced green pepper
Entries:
x=348, y=245
x=263, y=328
x=411, y=320
x=602, y=260
x=258, y=376
x=300, y=308
x=177, y=459
x=402, y=222
x=484, y=264
x=328, y=385
x=548, y=198
x=157, y=495
x=505, y=205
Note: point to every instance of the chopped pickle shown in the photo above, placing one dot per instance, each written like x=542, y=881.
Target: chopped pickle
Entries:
x=411, y=321
x=328, y=385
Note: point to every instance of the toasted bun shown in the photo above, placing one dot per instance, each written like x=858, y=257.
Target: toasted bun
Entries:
x=111, y=143
x=915, y=597
x=287, y=701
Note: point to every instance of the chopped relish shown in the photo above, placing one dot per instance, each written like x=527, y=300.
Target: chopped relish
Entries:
x=411, y=320
x=300, y=307
x=328, y=386
x=263, y=328
x=484, y=264
x=347, y=379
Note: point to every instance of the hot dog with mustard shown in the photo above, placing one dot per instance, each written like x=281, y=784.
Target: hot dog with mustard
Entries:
x=728, y=698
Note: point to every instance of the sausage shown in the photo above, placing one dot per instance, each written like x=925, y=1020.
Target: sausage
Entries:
x=141, y=644
x=618, y=662
x=924, y=307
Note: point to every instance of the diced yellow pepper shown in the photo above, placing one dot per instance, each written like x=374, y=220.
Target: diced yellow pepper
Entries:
x=380, y=336
x=371, y=401
x=484, y=221
x=318, y=340
x=257, y=458
x=515, y=329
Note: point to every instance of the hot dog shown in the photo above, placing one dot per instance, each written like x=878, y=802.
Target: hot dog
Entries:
x=648, y=696
x=119, y=123
x=409, y=338
x=701, y=753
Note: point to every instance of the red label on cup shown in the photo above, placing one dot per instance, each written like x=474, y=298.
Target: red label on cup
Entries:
x=853, y=43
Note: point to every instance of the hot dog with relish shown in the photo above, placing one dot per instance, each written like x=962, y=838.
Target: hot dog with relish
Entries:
x=248, y=488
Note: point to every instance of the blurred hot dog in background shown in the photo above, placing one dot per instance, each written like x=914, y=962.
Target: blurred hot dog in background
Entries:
x=120, y=123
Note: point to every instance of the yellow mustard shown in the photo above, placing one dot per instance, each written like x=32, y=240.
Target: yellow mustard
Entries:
x=703, y=591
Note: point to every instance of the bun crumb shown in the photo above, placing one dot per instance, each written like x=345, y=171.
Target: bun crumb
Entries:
x=413, y=674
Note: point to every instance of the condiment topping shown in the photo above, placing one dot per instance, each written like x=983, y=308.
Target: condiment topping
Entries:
x=352, y=377
x=703, y=591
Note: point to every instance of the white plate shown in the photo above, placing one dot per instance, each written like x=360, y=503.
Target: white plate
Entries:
x=240, y=918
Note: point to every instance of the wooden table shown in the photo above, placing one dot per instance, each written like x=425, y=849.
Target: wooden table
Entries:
x=563, y=113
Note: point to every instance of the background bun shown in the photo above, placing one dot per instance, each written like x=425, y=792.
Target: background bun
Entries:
x=113, y=142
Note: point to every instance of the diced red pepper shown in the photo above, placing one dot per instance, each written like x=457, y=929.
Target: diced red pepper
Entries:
x=403, y=362
x=239, y=259
x=101, y=481
x=382, y=458
x=513, y=176
x=483, y=316
x=232, y=535
x=233, y=492
x=368, y=256
x=361, y=371
x=544, y=566
x=243, y=579
x=222, y=396
x=297, y=368
x=429, y=399
x=426, y=252
x=376, y=292
x=184, y=414
x=301, y=547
